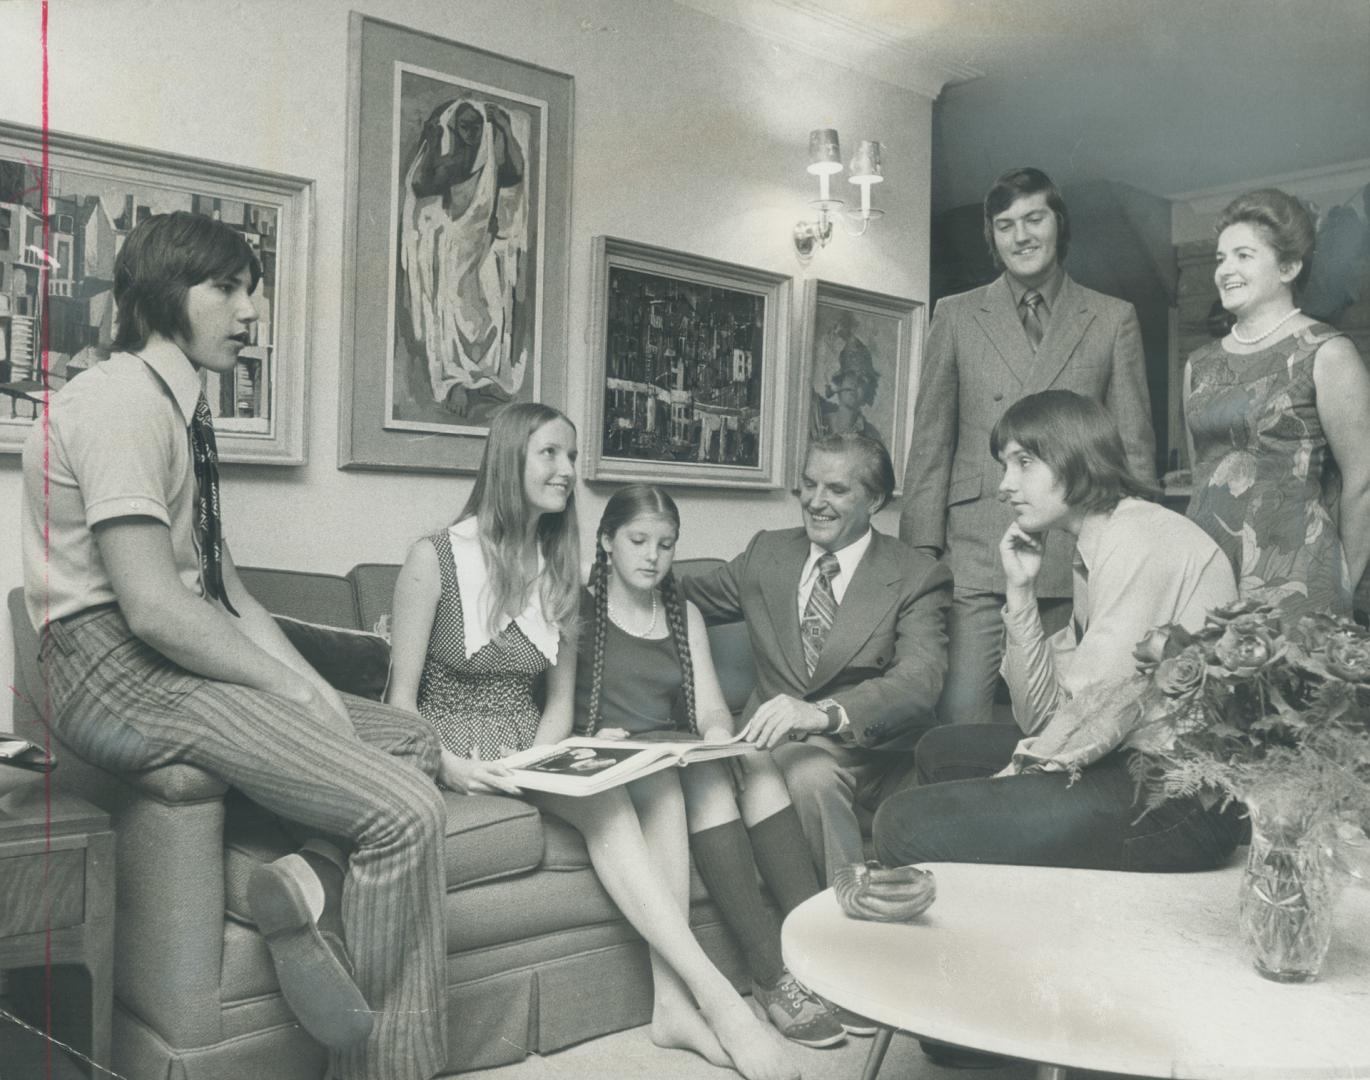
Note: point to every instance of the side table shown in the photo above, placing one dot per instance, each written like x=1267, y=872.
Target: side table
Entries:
x=57, y=902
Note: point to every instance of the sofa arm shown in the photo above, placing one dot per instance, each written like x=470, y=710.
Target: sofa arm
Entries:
x=169, y=873
x=176, y=784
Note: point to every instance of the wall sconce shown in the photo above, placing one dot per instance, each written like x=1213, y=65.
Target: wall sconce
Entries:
x=825, y=160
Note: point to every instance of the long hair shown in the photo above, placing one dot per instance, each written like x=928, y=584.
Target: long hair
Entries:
x=1078, y=441
x=498, y=504
x=627, y=504
x=1013, y=185
x=163, y=259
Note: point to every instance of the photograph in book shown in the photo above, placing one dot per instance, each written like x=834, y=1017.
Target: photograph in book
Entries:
x=586, y=765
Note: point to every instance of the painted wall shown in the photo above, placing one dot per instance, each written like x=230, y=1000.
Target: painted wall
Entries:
x=688, y=133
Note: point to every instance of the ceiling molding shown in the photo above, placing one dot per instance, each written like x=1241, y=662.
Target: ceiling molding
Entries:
x=854, y=44
x=1306, y=183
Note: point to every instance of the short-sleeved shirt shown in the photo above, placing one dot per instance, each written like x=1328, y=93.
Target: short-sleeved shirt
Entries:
x=116, y=444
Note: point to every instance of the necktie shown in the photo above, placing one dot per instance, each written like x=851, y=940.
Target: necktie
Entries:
x=1032, y=316
x=1079, y=616
x=208, y=527
x=820, y=611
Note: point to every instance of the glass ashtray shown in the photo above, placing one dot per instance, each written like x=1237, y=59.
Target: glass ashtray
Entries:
x=884, y=894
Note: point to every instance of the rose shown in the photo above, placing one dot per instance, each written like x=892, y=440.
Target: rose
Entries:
x=1228, y=613
x=1150, y=651
x=1347, y=655
x=1246, y=646
x=1182, y=675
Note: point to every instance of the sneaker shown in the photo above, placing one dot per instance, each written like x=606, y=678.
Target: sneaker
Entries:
x=799, y=1015
x=854, y=1023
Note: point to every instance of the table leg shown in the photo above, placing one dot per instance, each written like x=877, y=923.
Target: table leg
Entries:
x=875, y=1057
x=1051, y=1072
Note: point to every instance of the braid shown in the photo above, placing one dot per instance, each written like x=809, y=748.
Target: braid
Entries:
x=680, y=631
x=599, y=585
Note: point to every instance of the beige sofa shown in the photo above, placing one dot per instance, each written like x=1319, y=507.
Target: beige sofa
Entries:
x=538, y=957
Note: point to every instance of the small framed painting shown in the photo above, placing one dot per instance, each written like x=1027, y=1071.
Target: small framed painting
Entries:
x=858, y=355
x=690, y=375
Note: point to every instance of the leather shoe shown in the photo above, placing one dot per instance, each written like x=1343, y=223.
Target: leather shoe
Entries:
x=316, y=983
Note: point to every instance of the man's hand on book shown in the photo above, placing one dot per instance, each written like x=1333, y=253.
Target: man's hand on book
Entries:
x=469, y=777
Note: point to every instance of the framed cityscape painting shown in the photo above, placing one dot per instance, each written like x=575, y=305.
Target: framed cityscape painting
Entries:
x=58, y=242
x=858, y=355
x=457, y=224
x=689, y=369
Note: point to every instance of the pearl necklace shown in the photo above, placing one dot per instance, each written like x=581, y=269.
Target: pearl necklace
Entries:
x=1261, y=337
x=622, y=625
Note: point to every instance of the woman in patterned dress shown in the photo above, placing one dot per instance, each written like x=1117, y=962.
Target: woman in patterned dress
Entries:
x=480, y=612
x=1278, y=416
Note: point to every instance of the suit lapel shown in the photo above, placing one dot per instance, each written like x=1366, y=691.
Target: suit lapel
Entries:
x=780, y=587
x=998, y=318
x=868, y=597
x=1064, y=331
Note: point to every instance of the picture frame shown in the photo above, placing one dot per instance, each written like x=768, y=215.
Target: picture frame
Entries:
x=859, y=353
x=690, y=370
x=459, y=197
x=97, y=191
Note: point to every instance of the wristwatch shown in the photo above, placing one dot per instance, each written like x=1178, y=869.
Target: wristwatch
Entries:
x=834, y=714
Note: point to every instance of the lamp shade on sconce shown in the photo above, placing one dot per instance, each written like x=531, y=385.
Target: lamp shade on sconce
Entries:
x=825, y=156
x=866, y=166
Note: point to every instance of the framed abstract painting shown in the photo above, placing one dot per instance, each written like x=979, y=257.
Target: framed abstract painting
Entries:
x=458, y=217
x=690, y=374
x=58, y=241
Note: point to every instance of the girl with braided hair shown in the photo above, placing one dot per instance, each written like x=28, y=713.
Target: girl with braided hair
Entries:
x=482, y=610
x=644, y=665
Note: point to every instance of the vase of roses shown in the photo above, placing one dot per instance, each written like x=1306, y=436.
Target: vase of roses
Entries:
x=1273, y=713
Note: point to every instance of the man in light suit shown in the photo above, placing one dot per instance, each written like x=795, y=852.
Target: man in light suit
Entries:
x=1031, y=329
x=847, y=629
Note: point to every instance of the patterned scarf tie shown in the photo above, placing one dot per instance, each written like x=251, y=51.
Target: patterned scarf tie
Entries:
x=820, y=611
x=208, y=527
x=1032, y=316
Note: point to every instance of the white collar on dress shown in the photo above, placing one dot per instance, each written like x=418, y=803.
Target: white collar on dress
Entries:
x=473, y=579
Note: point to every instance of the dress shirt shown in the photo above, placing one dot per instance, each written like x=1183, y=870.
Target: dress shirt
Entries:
x=1050, y=290
x=1136, y=567
x=848, y=558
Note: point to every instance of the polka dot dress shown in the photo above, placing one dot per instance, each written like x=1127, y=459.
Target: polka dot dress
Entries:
x=482, y=705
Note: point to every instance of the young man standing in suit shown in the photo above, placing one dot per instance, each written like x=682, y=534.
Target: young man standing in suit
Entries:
x=847, y=630
x=1031, y=329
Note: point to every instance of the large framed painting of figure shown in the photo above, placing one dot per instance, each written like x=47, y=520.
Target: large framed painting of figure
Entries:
x=858, y=356
x=58, y=241
x=458, y=217
x=689, y=369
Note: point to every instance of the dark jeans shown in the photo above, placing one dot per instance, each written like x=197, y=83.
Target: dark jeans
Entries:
x=960, y=812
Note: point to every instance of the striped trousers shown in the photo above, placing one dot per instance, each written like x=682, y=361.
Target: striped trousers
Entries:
x=123, y=706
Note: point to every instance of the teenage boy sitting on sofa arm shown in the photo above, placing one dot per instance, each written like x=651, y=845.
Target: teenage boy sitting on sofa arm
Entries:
x=155, y=652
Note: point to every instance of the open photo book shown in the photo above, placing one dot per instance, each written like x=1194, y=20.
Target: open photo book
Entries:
x=584, y=765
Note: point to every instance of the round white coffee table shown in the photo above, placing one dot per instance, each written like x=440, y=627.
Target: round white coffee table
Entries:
x=1143, y=974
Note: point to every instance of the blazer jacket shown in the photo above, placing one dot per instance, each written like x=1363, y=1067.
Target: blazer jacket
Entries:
x=886, y=654
x=979, y=362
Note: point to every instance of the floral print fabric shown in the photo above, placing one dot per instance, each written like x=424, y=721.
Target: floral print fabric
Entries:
x=1265, y=484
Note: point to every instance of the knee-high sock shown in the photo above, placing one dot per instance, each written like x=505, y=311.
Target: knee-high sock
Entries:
x=723, y=857
x=782, y=855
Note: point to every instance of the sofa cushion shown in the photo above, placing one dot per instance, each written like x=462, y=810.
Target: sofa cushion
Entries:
x=352, y=661
x=487, y=837
x=300, y=594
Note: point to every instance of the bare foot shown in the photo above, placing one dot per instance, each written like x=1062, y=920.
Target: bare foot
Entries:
x=757, y=1050
x=682, y=1028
